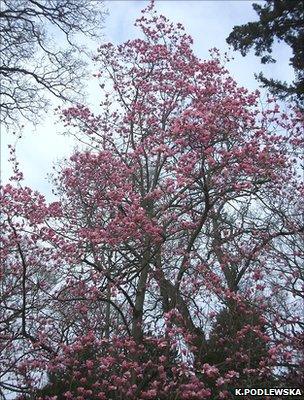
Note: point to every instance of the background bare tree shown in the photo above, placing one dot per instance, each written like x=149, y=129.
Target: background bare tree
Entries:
x=32, y=64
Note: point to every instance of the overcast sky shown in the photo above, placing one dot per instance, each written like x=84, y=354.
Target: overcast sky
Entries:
x=208, y=22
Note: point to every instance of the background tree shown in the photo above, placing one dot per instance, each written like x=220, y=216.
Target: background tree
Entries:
x=33, y=65
x=281, y=20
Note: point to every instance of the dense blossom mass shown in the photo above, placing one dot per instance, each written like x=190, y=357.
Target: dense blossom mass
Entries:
x=170, y=266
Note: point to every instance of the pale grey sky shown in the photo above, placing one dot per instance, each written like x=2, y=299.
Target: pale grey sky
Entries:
x=208, y=22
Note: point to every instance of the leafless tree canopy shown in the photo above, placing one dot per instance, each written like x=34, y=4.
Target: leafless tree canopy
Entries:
x=33, y=65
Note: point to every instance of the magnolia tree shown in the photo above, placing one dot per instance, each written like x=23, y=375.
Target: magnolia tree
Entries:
x=170, y=266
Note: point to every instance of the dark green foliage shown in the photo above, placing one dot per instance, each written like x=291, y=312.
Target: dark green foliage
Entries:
x=282, y=20
x=236, y=342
